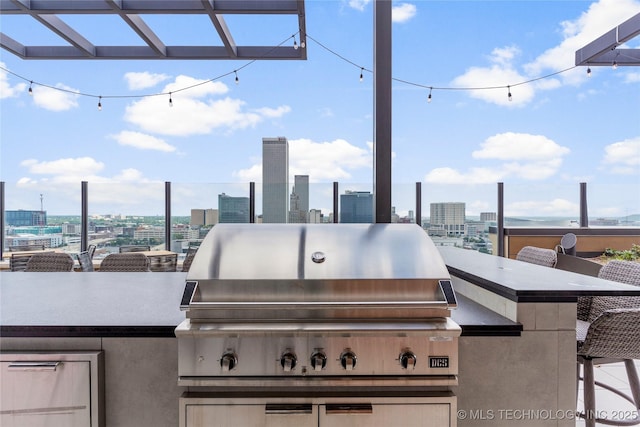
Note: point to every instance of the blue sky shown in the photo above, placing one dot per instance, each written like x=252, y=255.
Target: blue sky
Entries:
x=555, y=133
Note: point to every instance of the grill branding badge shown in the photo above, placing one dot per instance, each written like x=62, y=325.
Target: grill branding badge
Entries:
x=438, y=361
x=318, y=257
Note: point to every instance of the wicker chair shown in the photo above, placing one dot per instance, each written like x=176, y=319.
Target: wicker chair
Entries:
x=18, y=262
x=134, y=248
x=22, y=248
x=608, y=331
x=540, y=256
x=86, y=263
x=49, y=262
x=127, y=262
x=163, y=263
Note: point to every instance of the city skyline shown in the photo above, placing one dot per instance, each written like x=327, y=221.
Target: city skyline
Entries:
x=556, y=132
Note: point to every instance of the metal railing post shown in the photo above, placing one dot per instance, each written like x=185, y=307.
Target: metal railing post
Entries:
x=584, y=212
x=252, y=202
x=419, y=203
x=84, y=216
x=1, y=218
x=500, y=219
x=335, y=202
x=167, y=216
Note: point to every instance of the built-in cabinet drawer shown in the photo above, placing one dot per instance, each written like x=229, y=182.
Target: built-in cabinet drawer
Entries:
x=432, y=411
x=51, y=389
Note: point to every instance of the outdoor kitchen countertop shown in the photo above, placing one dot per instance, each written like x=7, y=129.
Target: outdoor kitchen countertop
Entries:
x=100, y=304
x=525, y=282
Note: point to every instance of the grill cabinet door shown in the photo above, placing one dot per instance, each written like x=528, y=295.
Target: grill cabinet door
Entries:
x=259, y=415
x=385, y=415
x=45, y=393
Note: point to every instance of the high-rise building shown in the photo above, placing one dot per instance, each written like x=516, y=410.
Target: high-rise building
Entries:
x=488, y=216
x=356, y=207
x=25, y=218
x=449, y=216
x=233, y=209
x=203, y=217
x=315, y=216
x=275, y=180
x=299, y=200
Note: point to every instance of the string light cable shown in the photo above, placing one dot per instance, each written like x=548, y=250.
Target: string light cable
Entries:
x=234, y=72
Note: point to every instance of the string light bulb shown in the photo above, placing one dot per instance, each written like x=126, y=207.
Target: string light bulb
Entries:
x=429, y=97
x=588, y=71
x=509, y=93
x=295, y=43
x=361, y=71
x=170, y=100
x=614, y=65
x=30, y=88
x=237, y=79
x=302, y=43
x=100, y=103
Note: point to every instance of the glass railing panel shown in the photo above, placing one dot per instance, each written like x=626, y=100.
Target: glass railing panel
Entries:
x=542, y=205
x=461, y=215
x=616, y=205
x=40, y=213
x=196, y=207
x=121, y=214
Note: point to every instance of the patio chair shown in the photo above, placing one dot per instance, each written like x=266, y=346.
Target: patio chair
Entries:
x=134, y=248
x=608, y=331
x=92, y=250
x=127, y=262
x=163, y=263
x=49, y=262
x=539, y=256
x=188, y=259
x=18, y=262
x=86, y=263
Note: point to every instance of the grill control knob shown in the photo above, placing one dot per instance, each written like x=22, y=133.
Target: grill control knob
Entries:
x=408, y=360
x=318, y=361
x=228, y=361
x=288, y=361
x=348, y=360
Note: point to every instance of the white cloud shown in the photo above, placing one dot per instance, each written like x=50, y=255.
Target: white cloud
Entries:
x=6, y=90
x=632, y=77
x=555, y=207
x=623, y=157
x=195, y=111
x=273, y=113
x=359, y=4
x=77, y=166
x=497, y=76
x=400, y=12
x=403, y=12
x=60, y=98
x=525, y=156
x=514, y=146
x=143, y=80
x=142, y=141
x=322, y=161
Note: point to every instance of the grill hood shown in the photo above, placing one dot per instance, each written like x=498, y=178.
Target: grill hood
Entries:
x=292, y=252
x=323, y=270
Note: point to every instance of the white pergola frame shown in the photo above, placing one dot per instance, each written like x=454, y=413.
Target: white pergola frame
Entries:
x=604, y=51
x=46, y=12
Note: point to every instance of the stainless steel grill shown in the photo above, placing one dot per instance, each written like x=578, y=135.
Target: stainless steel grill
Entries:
x=276, y=312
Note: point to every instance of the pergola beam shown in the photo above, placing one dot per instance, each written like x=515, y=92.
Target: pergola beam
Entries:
x=603, y=50
x=130, y=11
